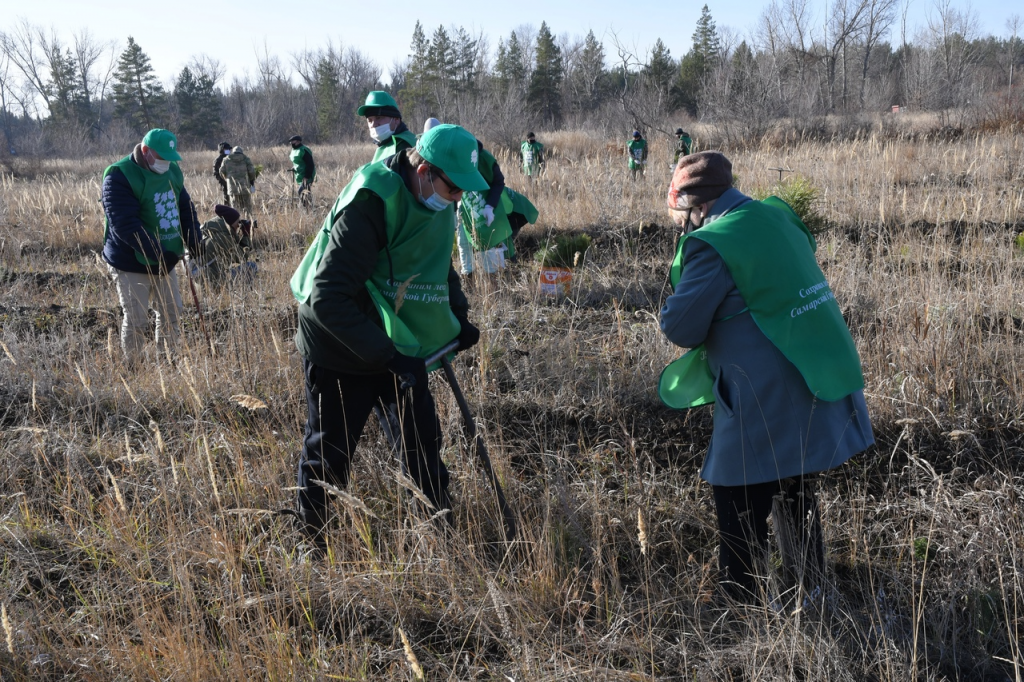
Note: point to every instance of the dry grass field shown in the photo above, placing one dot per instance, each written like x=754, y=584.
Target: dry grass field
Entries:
x=137, y=539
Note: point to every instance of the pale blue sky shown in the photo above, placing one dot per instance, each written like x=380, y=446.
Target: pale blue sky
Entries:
x=172, y=32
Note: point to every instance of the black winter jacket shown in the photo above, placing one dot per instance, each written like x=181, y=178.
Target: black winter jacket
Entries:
x=342, y=330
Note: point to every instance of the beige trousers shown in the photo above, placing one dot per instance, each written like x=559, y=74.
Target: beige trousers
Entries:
x=137, y=293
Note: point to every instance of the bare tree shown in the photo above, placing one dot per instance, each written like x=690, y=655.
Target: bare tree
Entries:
x=845, y=21
x=879, y=19
x=206, y=66
x=951, y=34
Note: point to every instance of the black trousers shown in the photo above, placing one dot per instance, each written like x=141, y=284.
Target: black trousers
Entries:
x=339, y=405
x=743, y=529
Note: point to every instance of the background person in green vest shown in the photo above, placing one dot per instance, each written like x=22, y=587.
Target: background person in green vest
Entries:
x=532, y=154
x=377, y=293
x=746, y=270
x=483, y=217
x=384, y=120
x=304, y=169
x=636, y=152
x=149, y=221
x=683, y=143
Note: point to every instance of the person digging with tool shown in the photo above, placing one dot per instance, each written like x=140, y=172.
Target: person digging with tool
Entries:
x=377, y=293
x=385, y=123
x=304, y=169
x=150, y=220
x=771, y=350
x=225, y=247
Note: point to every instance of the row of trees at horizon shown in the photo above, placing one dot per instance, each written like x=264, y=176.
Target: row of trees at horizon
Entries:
x=84, y=94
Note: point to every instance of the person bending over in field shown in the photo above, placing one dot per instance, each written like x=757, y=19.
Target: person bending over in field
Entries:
x=149, y=221
x=377, y=293
x=771, y=350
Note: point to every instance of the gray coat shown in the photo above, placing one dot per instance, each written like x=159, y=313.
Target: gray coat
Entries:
x=767, y=424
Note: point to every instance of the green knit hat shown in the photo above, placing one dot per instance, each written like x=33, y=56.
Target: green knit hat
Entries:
x=164, y=143
x=379, y=103
x=454, y=150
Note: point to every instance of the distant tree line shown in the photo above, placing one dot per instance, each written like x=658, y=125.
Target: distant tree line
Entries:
x=85, y=95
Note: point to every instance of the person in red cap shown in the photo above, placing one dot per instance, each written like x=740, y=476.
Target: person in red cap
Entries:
x=150, y=220
x=770, y=349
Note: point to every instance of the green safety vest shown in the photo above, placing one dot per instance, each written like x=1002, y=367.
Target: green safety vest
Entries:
x=637, y=149
x=299, y=163
x=683, y=143
x=471, y=206
x=158, y=199
x=788, y=298
x=409, y=284
x=395, y=144
x=530, y=153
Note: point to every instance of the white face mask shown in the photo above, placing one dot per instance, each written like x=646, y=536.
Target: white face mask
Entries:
x=159, y=166
x=381, y=132
x=226, y=152
x=435, y=202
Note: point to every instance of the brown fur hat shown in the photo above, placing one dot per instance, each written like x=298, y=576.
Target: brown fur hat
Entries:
x=699, y=178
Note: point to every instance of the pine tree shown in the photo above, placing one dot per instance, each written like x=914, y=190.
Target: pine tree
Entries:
x=510, y=65
x=64, y=94
x=589, y=78
x=198, y=106
x=698, y=64
x=660, y=69
x=545, y=83
x=466, y=50
x=416, y=88
x=138, y=96
x=326, y=88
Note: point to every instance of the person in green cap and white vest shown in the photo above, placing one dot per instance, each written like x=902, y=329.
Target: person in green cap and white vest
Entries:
x=150, y=220
x=304, y=169
x=484, y=222
x=636, y=153
x=384, y=120
x=377, y=293
x=771, y=350
x=532, y=154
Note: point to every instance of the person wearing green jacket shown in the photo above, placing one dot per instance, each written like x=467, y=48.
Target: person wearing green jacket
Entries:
x=377, y=294
x=304, y=169
x=384, y=120
x=532, y=154
x=636, y=152
x=683, y=144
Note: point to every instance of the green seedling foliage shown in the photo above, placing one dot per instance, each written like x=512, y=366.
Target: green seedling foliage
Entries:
x=803, y=197
x=561, y=251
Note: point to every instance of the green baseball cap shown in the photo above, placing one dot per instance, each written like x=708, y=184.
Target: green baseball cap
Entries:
x=454, y=150
x=379, y=103
x=164, y=143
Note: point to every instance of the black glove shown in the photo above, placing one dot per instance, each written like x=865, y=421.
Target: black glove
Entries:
x=468, y=336
x=408, y=370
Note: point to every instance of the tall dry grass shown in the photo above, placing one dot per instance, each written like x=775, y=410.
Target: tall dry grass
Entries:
x=137, y=539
